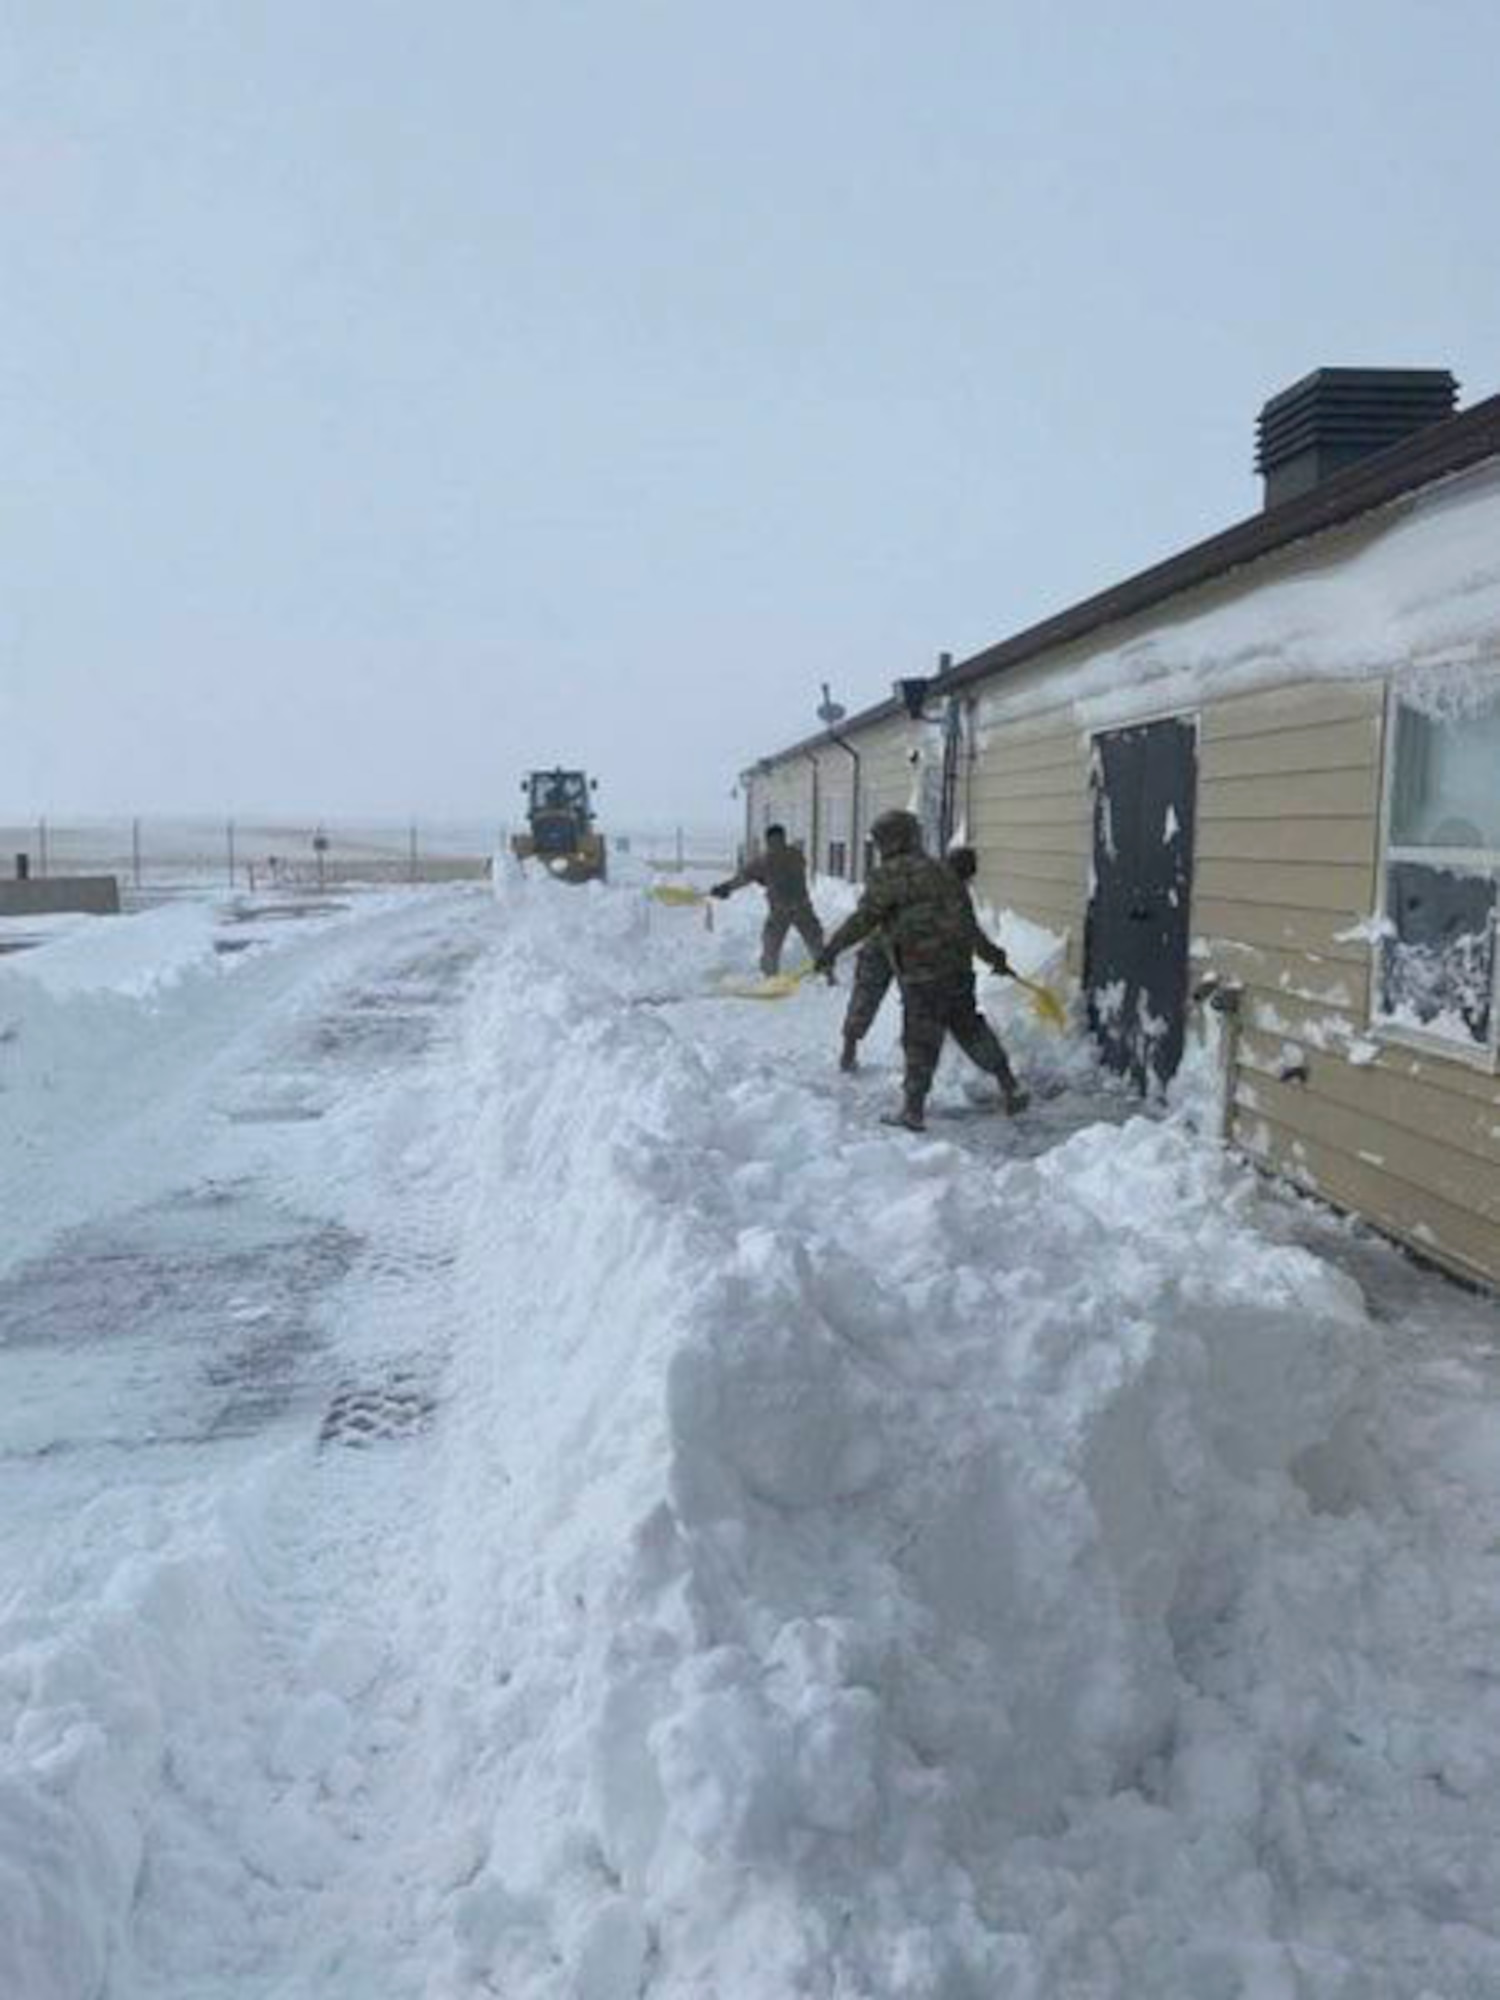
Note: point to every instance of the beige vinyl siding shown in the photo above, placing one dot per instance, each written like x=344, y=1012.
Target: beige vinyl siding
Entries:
x=791, y=798
x=1287, y=869
x=1029, y=818
x=1295, y=975
x=835, y=798
x=781, y=796
x=1449, y=1235
x=1298, y=794
x=1288, y=841
x=784, y=793
x=757, y=802
x=1302, y=747
x=1280, y=927
x=1301, y=840
x=1466, y=1124
x=886, y=773
x=1341, y=1030
x=1341, y=889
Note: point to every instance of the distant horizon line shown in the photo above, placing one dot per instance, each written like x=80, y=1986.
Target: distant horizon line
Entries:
x=22, y=819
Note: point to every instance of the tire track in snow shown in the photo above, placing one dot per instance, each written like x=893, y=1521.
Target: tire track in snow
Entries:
x=210, y=1585
x=317, y=1880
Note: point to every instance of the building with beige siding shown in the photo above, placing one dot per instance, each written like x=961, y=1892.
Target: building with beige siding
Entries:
x=1261, y=777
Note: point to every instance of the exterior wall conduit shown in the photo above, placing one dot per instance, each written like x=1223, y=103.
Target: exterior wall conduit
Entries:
x=855, y=850
x=813, y=827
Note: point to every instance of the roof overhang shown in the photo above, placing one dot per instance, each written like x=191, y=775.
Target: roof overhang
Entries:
x=1453, y=446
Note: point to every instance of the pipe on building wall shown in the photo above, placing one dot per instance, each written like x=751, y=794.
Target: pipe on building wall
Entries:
x=953, y=730
x=813, y=828
x=854, y=846
x=968, y=759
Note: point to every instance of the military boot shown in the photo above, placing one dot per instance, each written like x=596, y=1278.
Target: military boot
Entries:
x=1014, y=1097
x=909, y=1117
x=849, y=1060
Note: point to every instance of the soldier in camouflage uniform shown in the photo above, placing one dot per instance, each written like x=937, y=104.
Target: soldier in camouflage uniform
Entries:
x=781, y=870
x=873, y=973
x=923, y=913
x=874, y=968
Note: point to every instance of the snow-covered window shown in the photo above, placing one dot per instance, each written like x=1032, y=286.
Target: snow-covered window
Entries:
x=1437, y=957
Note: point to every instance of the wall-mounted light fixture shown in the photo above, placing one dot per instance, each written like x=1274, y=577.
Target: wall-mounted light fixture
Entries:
x=912, y=694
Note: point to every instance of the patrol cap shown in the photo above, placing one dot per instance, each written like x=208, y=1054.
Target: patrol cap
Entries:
x=896, y=832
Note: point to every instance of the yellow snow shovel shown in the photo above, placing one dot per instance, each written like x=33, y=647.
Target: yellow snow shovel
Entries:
x=1044, y=1002
x=675, y=894
x=771, y=986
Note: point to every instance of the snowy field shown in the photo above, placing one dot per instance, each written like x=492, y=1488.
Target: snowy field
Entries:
x=512, y=1482
x=153, y=857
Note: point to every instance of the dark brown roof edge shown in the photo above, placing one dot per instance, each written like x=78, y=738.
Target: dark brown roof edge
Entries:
x=1442, y=449
x=880, y=711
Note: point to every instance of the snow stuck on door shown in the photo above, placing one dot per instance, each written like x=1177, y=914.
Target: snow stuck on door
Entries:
x=794, y=1558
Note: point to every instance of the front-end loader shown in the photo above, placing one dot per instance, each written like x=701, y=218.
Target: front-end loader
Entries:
x=561, y=835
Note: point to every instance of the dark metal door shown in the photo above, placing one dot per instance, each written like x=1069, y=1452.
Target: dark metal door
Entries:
x=1145, y=786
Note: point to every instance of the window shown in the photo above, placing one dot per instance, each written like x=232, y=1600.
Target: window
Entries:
x=559, y=791
x=837, y=855
x=1437, y=953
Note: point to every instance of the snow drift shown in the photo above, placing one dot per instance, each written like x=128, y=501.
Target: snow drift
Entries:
x=880, y=1508
x=837, y=1564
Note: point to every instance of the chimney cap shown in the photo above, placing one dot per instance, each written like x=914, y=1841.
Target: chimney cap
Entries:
x=1335, y=416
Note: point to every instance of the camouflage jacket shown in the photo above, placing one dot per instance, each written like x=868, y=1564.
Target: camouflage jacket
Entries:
x=781, y=872
x=923, y=914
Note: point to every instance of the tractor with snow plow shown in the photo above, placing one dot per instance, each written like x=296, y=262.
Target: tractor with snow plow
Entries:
x=561, y=836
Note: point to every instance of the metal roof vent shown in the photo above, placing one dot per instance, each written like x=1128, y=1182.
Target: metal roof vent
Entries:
x=1335, y=416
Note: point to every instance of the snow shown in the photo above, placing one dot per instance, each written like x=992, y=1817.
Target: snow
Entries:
x=102, y=955
x=1035, y=952
x=1034, y=1559
x=1420, y=599
x=1457, y=690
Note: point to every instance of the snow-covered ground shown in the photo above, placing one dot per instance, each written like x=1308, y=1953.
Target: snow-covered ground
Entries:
x=513, y=1482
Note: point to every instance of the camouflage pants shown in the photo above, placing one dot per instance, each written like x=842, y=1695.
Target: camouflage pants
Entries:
x=783, y=917
x=937, y=1008
x=873, y=973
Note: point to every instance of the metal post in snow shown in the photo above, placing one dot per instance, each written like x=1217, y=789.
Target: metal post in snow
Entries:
x=679, y=850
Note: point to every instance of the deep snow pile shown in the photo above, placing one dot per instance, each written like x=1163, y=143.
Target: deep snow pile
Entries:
x=897, y=1562
x=1420, y=600
x=838, y=1564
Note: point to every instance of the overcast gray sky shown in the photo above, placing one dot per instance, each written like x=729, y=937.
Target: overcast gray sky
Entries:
x=392, y=396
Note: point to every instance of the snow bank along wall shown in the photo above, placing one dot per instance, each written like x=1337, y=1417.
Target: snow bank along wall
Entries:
x=1331, y=708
